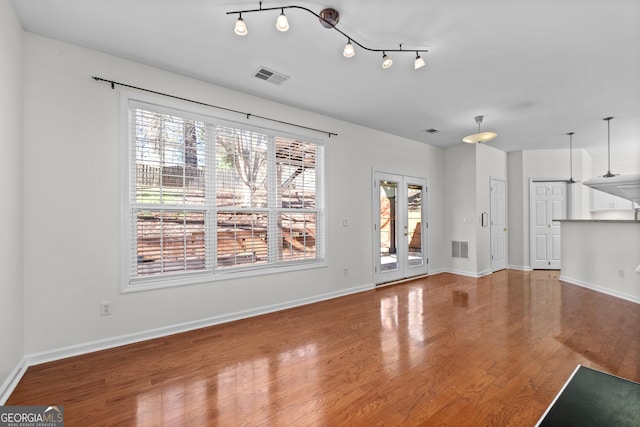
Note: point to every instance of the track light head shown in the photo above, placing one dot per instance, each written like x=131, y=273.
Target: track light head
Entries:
x=386, y=61
x=419, y=62
x=282, y=23
x=241, y=27
x=348, y=51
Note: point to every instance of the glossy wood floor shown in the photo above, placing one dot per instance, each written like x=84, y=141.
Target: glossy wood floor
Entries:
x=443, y=350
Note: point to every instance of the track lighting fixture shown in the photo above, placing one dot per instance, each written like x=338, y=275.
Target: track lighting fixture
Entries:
x=348, y=51
x=480, y=136
x=241, y=27
x=329, y=18
x=419, y=62
x=386, y=61
x=282, y=23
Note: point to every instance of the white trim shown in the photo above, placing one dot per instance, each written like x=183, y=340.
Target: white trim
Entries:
x=557, y=396
x=601, y=289
x=12, y=380
x=92, y=346
x=519, y=267
x=468, y=273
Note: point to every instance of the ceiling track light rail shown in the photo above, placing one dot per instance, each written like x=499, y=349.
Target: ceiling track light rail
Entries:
x=329, y=19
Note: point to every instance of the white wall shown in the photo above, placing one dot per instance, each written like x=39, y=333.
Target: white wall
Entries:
x=11, y=291
x=72, y=203
x=460, y=205
x=595, y=254
x=517, y=206
x=468, y=168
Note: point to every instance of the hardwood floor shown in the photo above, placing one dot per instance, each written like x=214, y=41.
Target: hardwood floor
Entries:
x=442, y=350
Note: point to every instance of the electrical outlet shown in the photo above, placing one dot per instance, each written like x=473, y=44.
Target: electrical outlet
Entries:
x=621, y=274
x=105, y=308
x=345, y=272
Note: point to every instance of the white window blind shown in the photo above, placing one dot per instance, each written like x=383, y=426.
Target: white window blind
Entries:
x=208, y=197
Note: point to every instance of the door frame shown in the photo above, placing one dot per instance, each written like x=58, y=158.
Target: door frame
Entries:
x=404, y=270
x=569, y=202
x=506, y=222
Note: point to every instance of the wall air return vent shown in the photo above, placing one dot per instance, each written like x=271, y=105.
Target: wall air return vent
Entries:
x=270, y=76
x=460, y=249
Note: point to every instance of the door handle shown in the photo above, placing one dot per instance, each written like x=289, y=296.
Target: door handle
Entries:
x=505, y=229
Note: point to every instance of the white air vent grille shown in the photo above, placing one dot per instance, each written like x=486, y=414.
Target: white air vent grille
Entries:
x=270, y=76
x=460, y=249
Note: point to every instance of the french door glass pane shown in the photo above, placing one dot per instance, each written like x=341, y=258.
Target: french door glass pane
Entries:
x=414, y=225
x=388, y=232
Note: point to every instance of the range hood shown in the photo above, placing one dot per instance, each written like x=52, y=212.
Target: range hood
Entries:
x=625, y=186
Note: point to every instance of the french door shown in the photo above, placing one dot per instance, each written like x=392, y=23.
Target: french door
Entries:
x=400, y=227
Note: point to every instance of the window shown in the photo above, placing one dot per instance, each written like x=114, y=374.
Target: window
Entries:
x=209, y=198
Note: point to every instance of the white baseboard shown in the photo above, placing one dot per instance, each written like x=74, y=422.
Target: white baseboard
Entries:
x=12, y=380
x=520, y=267
x=468, y=273
x=89, y=347
x=601, y=289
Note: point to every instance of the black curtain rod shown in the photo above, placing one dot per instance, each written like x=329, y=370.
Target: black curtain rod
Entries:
x=248, y=115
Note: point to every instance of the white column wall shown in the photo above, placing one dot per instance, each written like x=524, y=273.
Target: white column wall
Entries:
x=72, y=203
x=460, y=206
x=11, y=290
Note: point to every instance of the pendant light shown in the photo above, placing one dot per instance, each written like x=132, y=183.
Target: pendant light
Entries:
x=608, y=174
x=240, y=28
x=571, y=180
x=348, y=51
x=282, y=23
x=480, y=136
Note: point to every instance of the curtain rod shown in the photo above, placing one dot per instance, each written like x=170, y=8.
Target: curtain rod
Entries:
x=248, y=115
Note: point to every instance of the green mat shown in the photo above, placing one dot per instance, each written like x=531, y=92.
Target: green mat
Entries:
x=593, y=398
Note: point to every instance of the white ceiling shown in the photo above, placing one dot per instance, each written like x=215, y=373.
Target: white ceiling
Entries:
x=536, y=69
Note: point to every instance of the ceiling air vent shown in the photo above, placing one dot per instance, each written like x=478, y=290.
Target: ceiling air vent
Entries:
x=271, y=76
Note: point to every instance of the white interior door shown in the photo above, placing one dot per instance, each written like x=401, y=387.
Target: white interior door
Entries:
x=498, y=224
x=548, y=203
x=400, y=227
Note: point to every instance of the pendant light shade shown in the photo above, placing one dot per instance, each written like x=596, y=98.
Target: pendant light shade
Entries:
x=608, y=174
x=419, y=62
x=241, y=27
x=348, y=51
x=386, y=61
x=282, y=23
x=480, y=136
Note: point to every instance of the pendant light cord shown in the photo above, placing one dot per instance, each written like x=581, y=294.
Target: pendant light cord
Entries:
x=608, y=174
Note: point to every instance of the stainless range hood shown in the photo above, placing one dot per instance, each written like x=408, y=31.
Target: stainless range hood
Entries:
x=625, y=186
